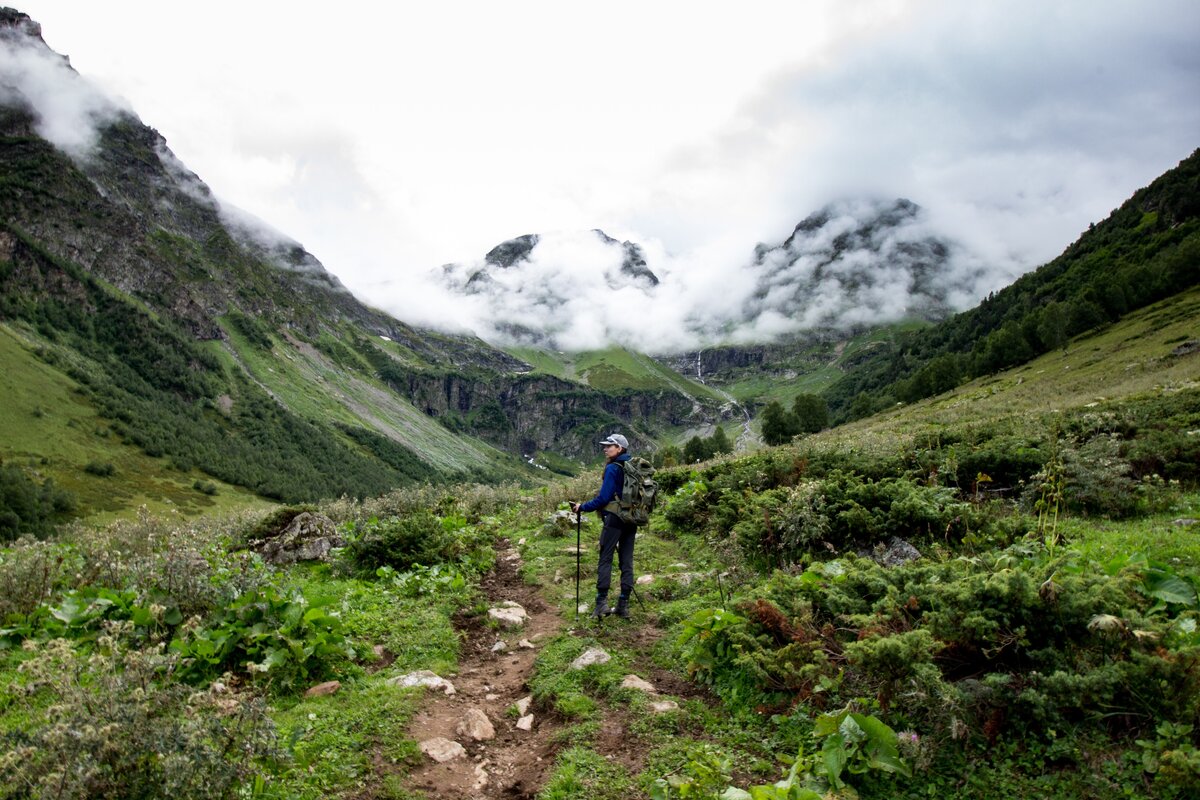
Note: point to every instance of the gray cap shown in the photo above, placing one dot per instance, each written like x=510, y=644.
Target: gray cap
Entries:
x=618, y=440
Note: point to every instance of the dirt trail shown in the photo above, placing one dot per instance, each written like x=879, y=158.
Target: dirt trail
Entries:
x=516, y=762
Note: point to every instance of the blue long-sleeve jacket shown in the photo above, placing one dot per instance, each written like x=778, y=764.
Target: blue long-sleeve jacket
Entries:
x=610, y=488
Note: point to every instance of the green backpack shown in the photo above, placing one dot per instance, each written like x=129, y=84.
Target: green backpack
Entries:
x=638, y=492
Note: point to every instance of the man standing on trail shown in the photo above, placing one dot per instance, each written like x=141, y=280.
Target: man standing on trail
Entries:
x=616, y=535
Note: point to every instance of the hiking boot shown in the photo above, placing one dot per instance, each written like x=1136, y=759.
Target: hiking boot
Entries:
x=622, y=609
x=601, y=610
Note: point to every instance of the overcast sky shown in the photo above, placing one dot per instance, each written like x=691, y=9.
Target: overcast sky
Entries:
x=391, y=138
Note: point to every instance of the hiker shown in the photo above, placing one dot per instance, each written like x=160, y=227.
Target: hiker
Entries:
x=615, y=534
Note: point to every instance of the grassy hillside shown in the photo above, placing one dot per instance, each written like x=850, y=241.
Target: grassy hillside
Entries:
x=613, y=369
x=1146, y=353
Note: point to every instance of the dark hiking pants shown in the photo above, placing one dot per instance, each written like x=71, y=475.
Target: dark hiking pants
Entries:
x=616, y=536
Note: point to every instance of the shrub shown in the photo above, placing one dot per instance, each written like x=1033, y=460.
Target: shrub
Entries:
x=277, y=634
x=404, y=542
x=111, y=727
x=100, y=469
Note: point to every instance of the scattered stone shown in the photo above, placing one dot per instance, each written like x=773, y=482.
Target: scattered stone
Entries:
x=523, y=705
x=525, y=723
x=423, y=678
x=324, y=689
x=441, y=749
x=664, y=706
x=572, y=550
x=525, y=644
x=379, y=650
x=679, y=566
x=687, y=578
x=558, y=576
x=307, y=537
x=593, y=655
x=521, y=542
x=476, y=725
x=490, y=697
x=481, y=776
x=642, y=580
x=512, y=555
x=634, y=682
x=509, y=614
x=1182, y=521
x=499, y=647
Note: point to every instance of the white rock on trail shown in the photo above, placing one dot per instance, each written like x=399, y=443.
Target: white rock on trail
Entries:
x=663, y=706
x=509, y=614
x=525, y=723
x=525, y=644
x=523, y=705
x=423, y=678
x=442, y=750
x=634, y=682
x=476, y=725
x=642, y=580
x=500, y=646
x=593, y=655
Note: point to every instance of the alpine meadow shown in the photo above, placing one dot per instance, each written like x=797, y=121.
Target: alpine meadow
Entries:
x=915, y=535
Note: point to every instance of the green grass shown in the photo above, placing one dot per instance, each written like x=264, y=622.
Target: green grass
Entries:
x=1132, y=357
x=583, y=774
x=336, y=742
x=49, y=428
x=1157, y=536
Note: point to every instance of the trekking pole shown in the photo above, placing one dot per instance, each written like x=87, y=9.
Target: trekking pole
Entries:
x=578, y=545
x=639, y=599
x=720, y=589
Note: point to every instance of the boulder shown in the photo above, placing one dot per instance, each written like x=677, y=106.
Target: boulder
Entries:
x=560, y=523
x=423, y=678
x=307, y=537
x=593, y=655
x=634, y=682
x=664, y=706
x=523, y=705
x=476, y=725
x=895, y=553
x=509, y=614
x=442, y=750
x=324, y=689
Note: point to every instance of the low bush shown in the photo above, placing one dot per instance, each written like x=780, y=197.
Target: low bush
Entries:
x=1023, y=642
x=111, y=726
x=419, y=538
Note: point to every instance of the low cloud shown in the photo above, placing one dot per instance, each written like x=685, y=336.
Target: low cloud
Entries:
x=67, y=110
x=854, y=263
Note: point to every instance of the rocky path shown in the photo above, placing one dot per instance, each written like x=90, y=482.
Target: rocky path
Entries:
x=477, y=744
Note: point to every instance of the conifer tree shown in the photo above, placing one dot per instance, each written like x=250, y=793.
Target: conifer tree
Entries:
x=811, y=412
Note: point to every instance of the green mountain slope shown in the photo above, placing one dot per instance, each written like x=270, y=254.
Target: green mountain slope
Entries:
x=1146, y=250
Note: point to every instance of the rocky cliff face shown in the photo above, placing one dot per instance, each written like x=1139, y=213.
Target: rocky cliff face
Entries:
x=533, y=413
